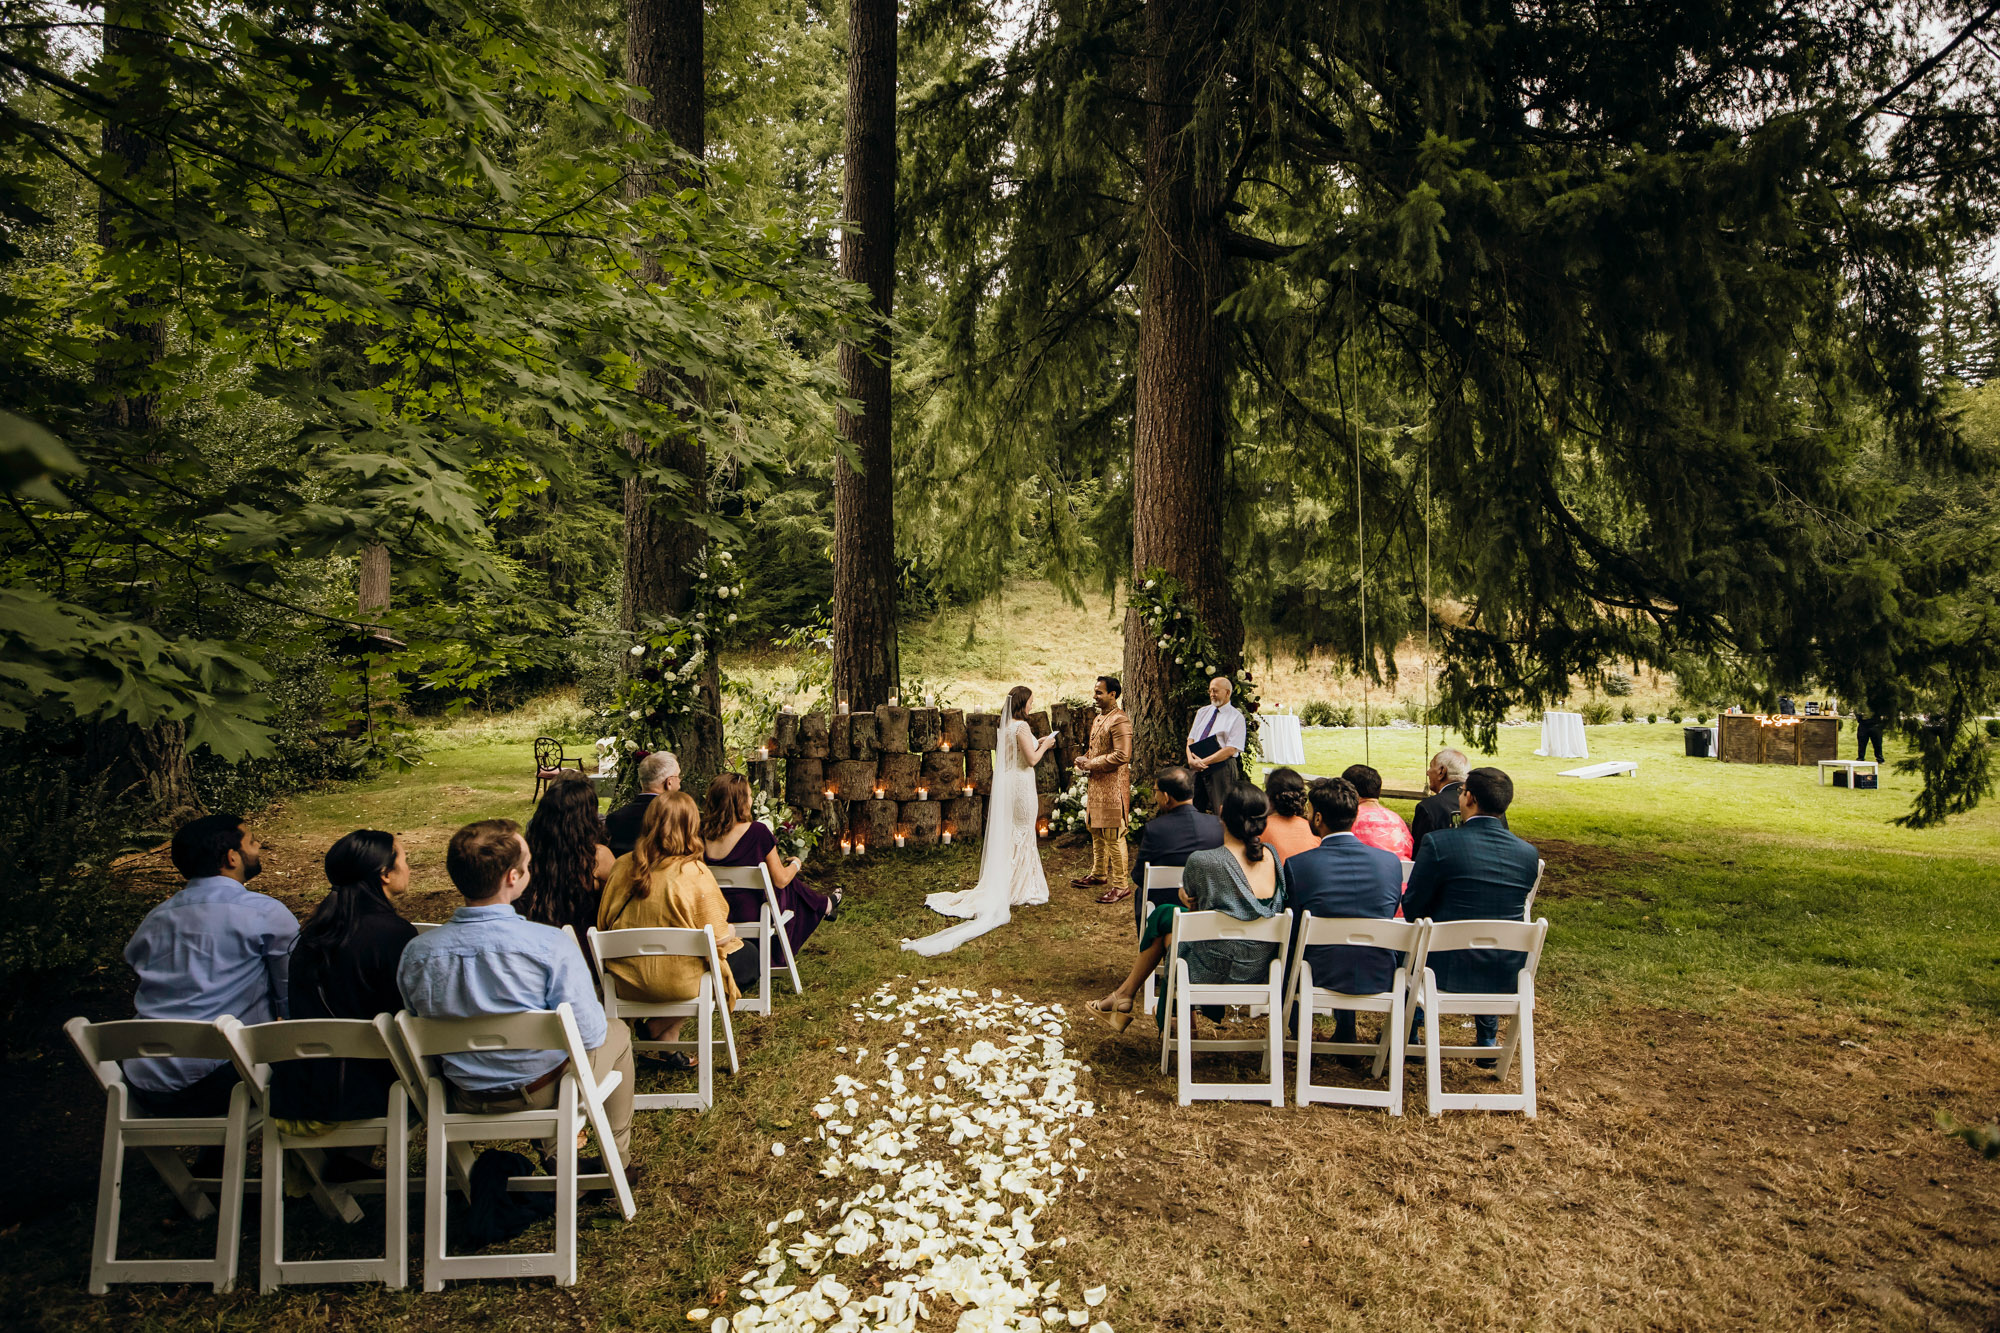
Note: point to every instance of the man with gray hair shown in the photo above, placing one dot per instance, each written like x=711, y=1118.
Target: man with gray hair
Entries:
x=1445, y=778
x=659, y=772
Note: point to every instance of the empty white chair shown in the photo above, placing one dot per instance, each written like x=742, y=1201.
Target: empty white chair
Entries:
x=579, y=1101
x=769, y=925
x=256, y=1050
x=1519, y=1005
x=1183, y=994
x=1312, y=1000
x=102, y=1046
x=670, y=942
x=1156, y=877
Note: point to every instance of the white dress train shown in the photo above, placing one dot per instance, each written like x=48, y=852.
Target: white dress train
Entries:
x=1010, y=865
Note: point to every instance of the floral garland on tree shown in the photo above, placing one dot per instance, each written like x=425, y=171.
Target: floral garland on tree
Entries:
x=664, y=687
x=1168, y=614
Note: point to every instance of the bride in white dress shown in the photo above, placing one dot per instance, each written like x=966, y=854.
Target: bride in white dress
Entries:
x=1010, y=867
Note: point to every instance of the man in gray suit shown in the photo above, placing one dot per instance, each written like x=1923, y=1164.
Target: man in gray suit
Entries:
x=1478, y=871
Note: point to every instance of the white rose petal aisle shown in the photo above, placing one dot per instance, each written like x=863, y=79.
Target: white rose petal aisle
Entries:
x=947, y=1142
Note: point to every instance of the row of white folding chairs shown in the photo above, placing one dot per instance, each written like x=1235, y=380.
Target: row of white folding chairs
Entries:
x=1169, y=877
x=411, y=1045
x=1414, y=985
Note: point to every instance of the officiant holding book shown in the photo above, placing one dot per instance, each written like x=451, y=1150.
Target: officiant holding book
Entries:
x=1214, y=743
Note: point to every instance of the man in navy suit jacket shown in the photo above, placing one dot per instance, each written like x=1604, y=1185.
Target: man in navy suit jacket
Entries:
x=1476, y=872
x=1343, y=876
x=1177, y=832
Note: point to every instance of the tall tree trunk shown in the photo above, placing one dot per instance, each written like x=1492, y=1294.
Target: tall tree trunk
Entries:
x=663, y=55
x=373, y=594
x=1179, y=441
x=150, y=763
x=866, y=670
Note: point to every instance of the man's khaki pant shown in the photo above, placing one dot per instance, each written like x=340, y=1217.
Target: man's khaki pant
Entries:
x=615, y=1053
x=1107, y=853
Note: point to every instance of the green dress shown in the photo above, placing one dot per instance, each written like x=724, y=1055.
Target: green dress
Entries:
x=1214, y=882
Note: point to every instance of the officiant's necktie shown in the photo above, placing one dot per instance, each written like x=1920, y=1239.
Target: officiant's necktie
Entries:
x=1213, y=712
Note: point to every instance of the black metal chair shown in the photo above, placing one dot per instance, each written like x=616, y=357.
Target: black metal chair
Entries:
x=550, y=761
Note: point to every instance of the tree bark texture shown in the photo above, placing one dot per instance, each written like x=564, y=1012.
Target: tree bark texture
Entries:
x=1179, y=441
x=663, y=56
x=866, y=668
x=373, y=594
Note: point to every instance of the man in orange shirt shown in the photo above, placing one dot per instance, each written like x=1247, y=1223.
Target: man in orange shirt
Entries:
x=1108, y=764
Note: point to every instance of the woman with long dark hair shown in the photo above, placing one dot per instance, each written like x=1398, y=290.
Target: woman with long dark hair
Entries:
x=343, y=965
x=730, y=837
x=1238, y=879
x=569, y=860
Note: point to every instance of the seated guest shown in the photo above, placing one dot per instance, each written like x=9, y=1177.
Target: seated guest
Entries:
x=659, y=772
x=487, y=960
x=566, y=840
x=1173, y=834
x=1446, y=774
x=1344, y=877
x=1478, y=871
x=1287, y=832
x=732, y=838
x=344, y=966
x=1376, y=824
x=214, y=948
x=1237, y=879
x=664, y=883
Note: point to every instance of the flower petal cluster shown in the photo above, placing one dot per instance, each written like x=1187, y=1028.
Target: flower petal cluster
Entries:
x=947, y=1155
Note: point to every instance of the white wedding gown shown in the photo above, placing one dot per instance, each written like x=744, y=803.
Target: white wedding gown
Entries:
x=1010, y=866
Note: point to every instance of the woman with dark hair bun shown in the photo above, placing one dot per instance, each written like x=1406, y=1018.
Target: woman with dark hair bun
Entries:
x=1236, y=879
x=1288, y=832
x=343, y=965
x=566, y=848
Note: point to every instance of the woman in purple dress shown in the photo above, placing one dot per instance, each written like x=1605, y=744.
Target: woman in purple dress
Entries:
x=733, y=838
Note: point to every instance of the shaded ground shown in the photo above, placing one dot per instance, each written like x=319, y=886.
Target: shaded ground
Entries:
x=1762, y=1157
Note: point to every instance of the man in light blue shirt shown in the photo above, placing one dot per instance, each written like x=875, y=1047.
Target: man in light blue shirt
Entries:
x=488, y=960
x=214, y=948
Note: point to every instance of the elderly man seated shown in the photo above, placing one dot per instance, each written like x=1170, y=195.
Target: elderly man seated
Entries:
x=1438, y=810
x=488, y=960
x=1478, y=871
x=659, y=773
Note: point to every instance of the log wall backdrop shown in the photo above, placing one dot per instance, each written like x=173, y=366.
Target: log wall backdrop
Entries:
x=917, y=771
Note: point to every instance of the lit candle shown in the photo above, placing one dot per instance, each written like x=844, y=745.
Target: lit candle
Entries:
x=763, y=752
x=923, y=793
x=899, y=840
x=843, y=708
x=878, y=793
x=944, y=745
x=846, y=847
x=968, y=789
x=893, y=700
x=947, y=837
x=829, y=793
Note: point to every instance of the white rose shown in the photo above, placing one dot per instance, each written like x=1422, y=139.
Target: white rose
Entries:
x=631, y=746
x=1149, y=583
x=732, y=617
x=726, y=557
x=638, y=650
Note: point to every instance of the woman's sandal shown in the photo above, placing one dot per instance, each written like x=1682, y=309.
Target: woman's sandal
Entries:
x=1120, y=1018
x=833, y=913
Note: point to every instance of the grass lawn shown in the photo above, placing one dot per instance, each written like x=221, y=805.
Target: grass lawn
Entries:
x=1758, y=996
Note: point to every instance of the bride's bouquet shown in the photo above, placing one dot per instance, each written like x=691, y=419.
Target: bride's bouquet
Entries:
x=795, y=836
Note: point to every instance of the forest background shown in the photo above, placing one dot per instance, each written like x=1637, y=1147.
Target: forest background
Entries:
x=330, y=329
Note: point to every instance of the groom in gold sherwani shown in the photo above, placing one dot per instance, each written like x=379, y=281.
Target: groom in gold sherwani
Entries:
x=1108, y=764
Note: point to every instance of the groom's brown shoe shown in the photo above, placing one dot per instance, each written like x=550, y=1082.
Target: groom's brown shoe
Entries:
x=1087, y=881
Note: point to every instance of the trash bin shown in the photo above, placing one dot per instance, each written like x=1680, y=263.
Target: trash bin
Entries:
x=1696, y=739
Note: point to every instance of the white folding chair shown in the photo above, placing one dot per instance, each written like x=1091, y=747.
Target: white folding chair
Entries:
x=579, y=1101
x=770, y=924
x=426, y=927
x=1312, y=1000
x=256, y=1050
x=1156, y=877
x=1528, y=906
x=1183, y=994
x=1449, y=936
x=102, y=1046
x=713, y=999
x=1408, y=866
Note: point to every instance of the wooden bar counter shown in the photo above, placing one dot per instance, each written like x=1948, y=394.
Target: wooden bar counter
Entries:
x=1755, y=738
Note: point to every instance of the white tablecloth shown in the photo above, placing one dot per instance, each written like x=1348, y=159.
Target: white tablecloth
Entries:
x=1562, y=736
x=1284, y=743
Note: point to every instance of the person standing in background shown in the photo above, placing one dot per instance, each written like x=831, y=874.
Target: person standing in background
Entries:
x=1214, y=743
x=1108, y=765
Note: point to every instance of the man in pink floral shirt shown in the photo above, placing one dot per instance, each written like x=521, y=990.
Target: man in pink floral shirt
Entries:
x=1376, y=824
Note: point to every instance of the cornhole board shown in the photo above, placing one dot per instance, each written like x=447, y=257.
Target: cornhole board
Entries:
x=1609, y=768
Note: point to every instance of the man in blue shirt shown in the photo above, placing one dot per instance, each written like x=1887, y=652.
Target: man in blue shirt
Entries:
x=214, y=948
x=488, y=960
x=1344, y=877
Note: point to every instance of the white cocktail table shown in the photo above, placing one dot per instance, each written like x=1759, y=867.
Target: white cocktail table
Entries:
x=1872, y=765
